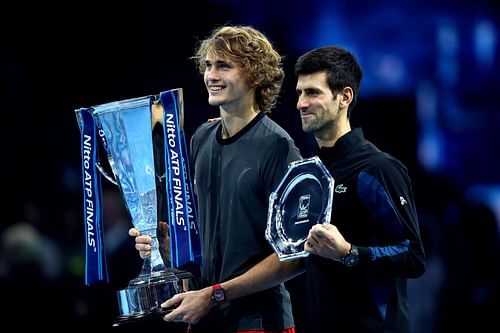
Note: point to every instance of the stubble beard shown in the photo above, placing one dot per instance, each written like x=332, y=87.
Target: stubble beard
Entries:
x=310, y=126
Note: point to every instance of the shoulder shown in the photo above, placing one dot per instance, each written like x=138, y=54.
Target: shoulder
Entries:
x=388, y=162
x=204, y=134
x=378, y=158
x=386, y=168
x=206, y=128
x=271, y=127
x=275, y=140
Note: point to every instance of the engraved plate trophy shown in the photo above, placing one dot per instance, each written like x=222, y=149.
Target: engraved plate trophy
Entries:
x=125, y=130
x=302, y=199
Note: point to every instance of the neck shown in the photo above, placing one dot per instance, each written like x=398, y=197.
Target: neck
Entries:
x=233, y=122
x=329, y=137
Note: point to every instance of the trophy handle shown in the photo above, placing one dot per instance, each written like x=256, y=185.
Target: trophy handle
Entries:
x=105, y=174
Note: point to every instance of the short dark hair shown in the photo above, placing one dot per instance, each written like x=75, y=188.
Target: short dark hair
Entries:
x=341, y=67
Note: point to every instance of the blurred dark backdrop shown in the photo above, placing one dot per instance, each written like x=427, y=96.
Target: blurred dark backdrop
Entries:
x=429, y=97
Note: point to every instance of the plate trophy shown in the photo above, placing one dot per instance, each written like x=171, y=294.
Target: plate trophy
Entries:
x=302, y=199
x=147, y=171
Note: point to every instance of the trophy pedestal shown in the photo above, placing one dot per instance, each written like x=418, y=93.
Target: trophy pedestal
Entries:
x=144, y=295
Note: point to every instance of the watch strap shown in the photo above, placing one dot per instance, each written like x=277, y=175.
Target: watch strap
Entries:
x=351, y=258
x=218, y=293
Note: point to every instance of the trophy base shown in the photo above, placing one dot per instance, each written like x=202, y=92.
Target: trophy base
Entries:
x=143, y=297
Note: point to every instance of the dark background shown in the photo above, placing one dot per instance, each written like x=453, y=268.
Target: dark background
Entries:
x=429, y=97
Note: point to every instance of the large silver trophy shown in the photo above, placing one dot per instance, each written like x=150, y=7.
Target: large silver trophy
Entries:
x=125, y=130
x=302, y=199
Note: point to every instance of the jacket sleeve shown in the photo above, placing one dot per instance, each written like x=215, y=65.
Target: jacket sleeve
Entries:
x=397, y=248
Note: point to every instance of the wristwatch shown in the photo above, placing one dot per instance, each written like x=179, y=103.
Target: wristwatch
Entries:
x=218, y=293
x=351, y=257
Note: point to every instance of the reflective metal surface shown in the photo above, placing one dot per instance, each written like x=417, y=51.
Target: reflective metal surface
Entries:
x=143, y=298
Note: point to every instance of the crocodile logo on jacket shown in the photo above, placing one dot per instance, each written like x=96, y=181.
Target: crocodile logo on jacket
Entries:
x=340, y=188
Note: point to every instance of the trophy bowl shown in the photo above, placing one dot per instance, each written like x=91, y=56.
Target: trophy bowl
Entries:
x=302, y=199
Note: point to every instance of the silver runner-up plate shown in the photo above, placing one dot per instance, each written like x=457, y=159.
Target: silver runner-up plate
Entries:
x=302, y=199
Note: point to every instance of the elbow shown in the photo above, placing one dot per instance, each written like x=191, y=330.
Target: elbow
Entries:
x=417, y=269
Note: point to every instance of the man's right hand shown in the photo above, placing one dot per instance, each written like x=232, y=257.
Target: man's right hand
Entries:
x=142, y=242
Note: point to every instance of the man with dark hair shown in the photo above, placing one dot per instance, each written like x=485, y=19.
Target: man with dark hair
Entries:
x=357, y=270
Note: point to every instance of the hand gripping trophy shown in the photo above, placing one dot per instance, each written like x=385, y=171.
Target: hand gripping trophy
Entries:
x=144, y=171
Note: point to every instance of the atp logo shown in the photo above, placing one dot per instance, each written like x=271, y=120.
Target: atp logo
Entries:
x=303, y=209
x=340, y=188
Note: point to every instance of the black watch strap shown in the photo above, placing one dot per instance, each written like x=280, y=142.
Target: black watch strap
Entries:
x=351, y=258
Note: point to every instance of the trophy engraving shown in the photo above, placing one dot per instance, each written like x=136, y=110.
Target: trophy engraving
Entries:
x=144, y=172
x=303, y=198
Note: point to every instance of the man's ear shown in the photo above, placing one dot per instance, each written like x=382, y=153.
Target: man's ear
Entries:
x=346, y=97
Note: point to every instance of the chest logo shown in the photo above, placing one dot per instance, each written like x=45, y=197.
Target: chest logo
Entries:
x=340, y=188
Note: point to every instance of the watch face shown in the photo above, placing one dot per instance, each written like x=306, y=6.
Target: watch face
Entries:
x=219, y=295
x=351, y=258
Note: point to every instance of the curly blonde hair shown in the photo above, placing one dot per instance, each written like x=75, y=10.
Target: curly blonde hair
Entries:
x=253, y=53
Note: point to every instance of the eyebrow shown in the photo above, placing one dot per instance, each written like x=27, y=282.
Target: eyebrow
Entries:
x=309, y=89
x=217, y=62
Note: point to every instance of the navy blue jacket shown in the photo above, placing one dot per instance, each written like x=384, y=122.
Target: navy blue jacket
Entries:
x=374, y=209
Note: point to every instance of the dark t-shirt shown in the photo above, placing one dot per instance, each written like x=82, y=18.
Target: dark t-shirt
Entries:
x=233, y=179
